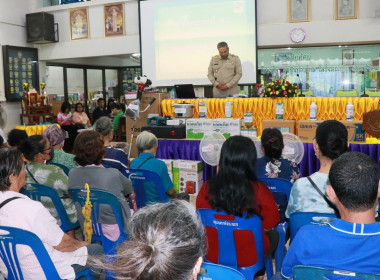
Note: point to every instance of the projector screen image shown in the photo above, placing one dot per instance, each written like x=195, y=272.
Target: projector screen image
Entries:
x=179, y=38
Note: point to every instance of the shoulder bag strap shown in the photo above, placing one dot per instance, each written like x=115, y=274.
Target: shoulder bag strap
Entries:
x=328, y=201
x=144, y=162
x=30, y=173
x=8, y=200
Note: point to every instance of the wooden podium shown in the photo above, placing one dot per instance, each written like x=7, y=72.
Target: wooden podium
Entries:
x=33, y=107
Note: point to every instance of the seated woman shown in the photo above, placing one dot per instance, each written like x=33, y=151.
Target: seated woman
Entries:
x=56, y=137
x=68, y=255
x=330, y=142
x=236, y=189
x=114, y=157
x=80, y=118
x=37, y=150
x=166, y=242
x=64, y=119
x=89, y=153
x=272, y=165
x=147, y=144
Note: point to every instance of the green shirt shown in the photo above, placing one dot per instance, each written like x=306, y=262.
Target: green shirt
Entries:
x=116, y=120
x=64, y=158
x=52, y=176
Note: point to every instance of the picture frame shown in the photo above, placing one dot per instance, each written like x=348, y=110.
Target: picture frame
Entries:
x=20, y=66
x=79, y=24
x=114, y=24
x=346, y=9
x=348, y=57
x=298, y=10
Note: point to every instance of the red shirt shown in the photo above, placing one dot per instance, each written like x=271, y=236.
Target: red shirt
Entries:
x=244, y=241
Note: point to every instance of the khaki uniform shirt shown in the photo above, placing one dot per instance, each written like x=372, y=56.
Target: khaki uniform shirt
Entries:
x=225, y=71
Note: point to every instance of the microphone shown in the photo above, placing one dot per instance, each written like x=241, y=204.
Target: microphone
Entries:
x=300, y=85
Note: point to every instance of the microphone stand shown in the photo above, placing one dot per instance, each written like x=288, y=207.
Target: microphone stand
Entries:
x=300, y=86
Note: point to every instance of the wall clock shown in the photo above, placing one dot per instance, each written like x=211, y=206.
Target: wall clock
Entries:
x=297, y=35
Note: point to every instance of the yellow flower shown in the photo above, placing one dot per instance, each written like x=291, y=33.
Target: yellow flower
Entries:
x=283, y=87
x=277, y=92
x=289, y=90
x=269, y=89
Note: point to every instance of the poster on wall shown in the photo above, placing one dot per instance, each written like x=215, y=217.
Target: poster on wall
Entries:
x=348, y=57
x=20, y=66
x=298, y=10
x=79, y=27
x=114, y=20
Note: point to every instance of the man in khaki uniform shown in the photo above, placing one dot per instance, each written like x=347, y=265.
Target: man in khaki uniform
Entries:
x=224, y=72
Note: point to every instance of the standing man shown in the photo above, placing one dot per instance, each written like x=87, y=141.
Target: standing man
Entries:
x=99, y=111
x=224, y=72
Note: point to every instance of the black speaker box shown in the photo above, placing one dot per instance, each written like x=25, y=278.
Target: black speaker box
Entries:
x=40, y=28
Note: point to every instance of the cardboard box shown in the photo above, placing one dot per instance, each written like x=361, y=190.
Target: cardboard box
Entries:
x=282, y=125
x=187, y=176
x=227, y=127
x=306, y=130
x=155, y=108
x=196, y=128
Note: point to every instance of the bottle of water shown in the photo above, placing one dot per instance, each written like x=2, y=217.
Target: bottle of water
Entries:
x=172, y=94
x=313, y=111
x=350, y=111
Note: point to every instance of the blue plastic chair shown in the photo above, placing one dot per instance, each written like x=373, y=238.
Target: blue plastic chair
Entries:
x=226, y=225
x=139, y=177
x=211, y=271
x=299, y=219
x=97, y=198
x=301, y=272
x=279, y=187
x=63, y=167
x=10, y=237
x=37, y=191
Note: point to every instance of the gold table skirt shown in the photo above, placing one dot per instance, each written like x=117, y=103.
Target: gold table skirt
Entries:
x=34, y=129
x=296, y=108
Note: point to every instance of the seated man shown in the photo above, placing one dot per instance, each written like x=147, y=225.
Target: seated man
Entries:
x=17, y=210
x=347, y=243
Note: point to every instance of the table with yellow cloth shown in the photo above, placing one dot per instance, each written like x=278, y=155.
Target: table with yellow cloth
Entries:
x=296, y=108
x=35, y=129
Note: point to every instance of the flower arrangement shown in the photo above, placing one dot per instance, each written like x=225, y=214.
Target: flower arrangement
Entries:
x=280, y=88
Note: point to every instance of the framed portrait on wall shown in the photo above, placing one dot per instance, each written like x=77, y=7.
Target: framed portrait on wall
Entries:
x=79, y=25
x=114, y=20
x=348, y=57
x=346, y=9
x=298, y=10
x=20, y=66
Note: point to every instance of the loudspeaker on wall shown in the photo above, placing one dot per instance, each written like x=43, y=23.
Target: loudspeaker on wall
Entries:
x=40, y=28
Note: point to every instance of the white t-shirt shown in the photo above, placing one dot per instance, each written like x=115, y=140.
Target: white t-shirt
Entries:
x=31, y=215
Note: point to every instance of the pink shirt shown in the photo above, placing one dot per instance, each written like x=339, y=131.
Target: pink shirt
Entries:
x=80, y=118
x=62, y=117
x=31, y=215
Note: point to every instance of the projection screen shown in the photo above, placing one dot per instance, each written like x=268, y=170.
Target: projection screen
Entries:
x=179, y=37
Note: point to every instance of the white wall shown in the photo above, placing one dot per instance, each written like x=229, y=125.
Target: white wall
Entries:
x=97, y=45
x=12, y=32
x=273, y=26
x=273, y=30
